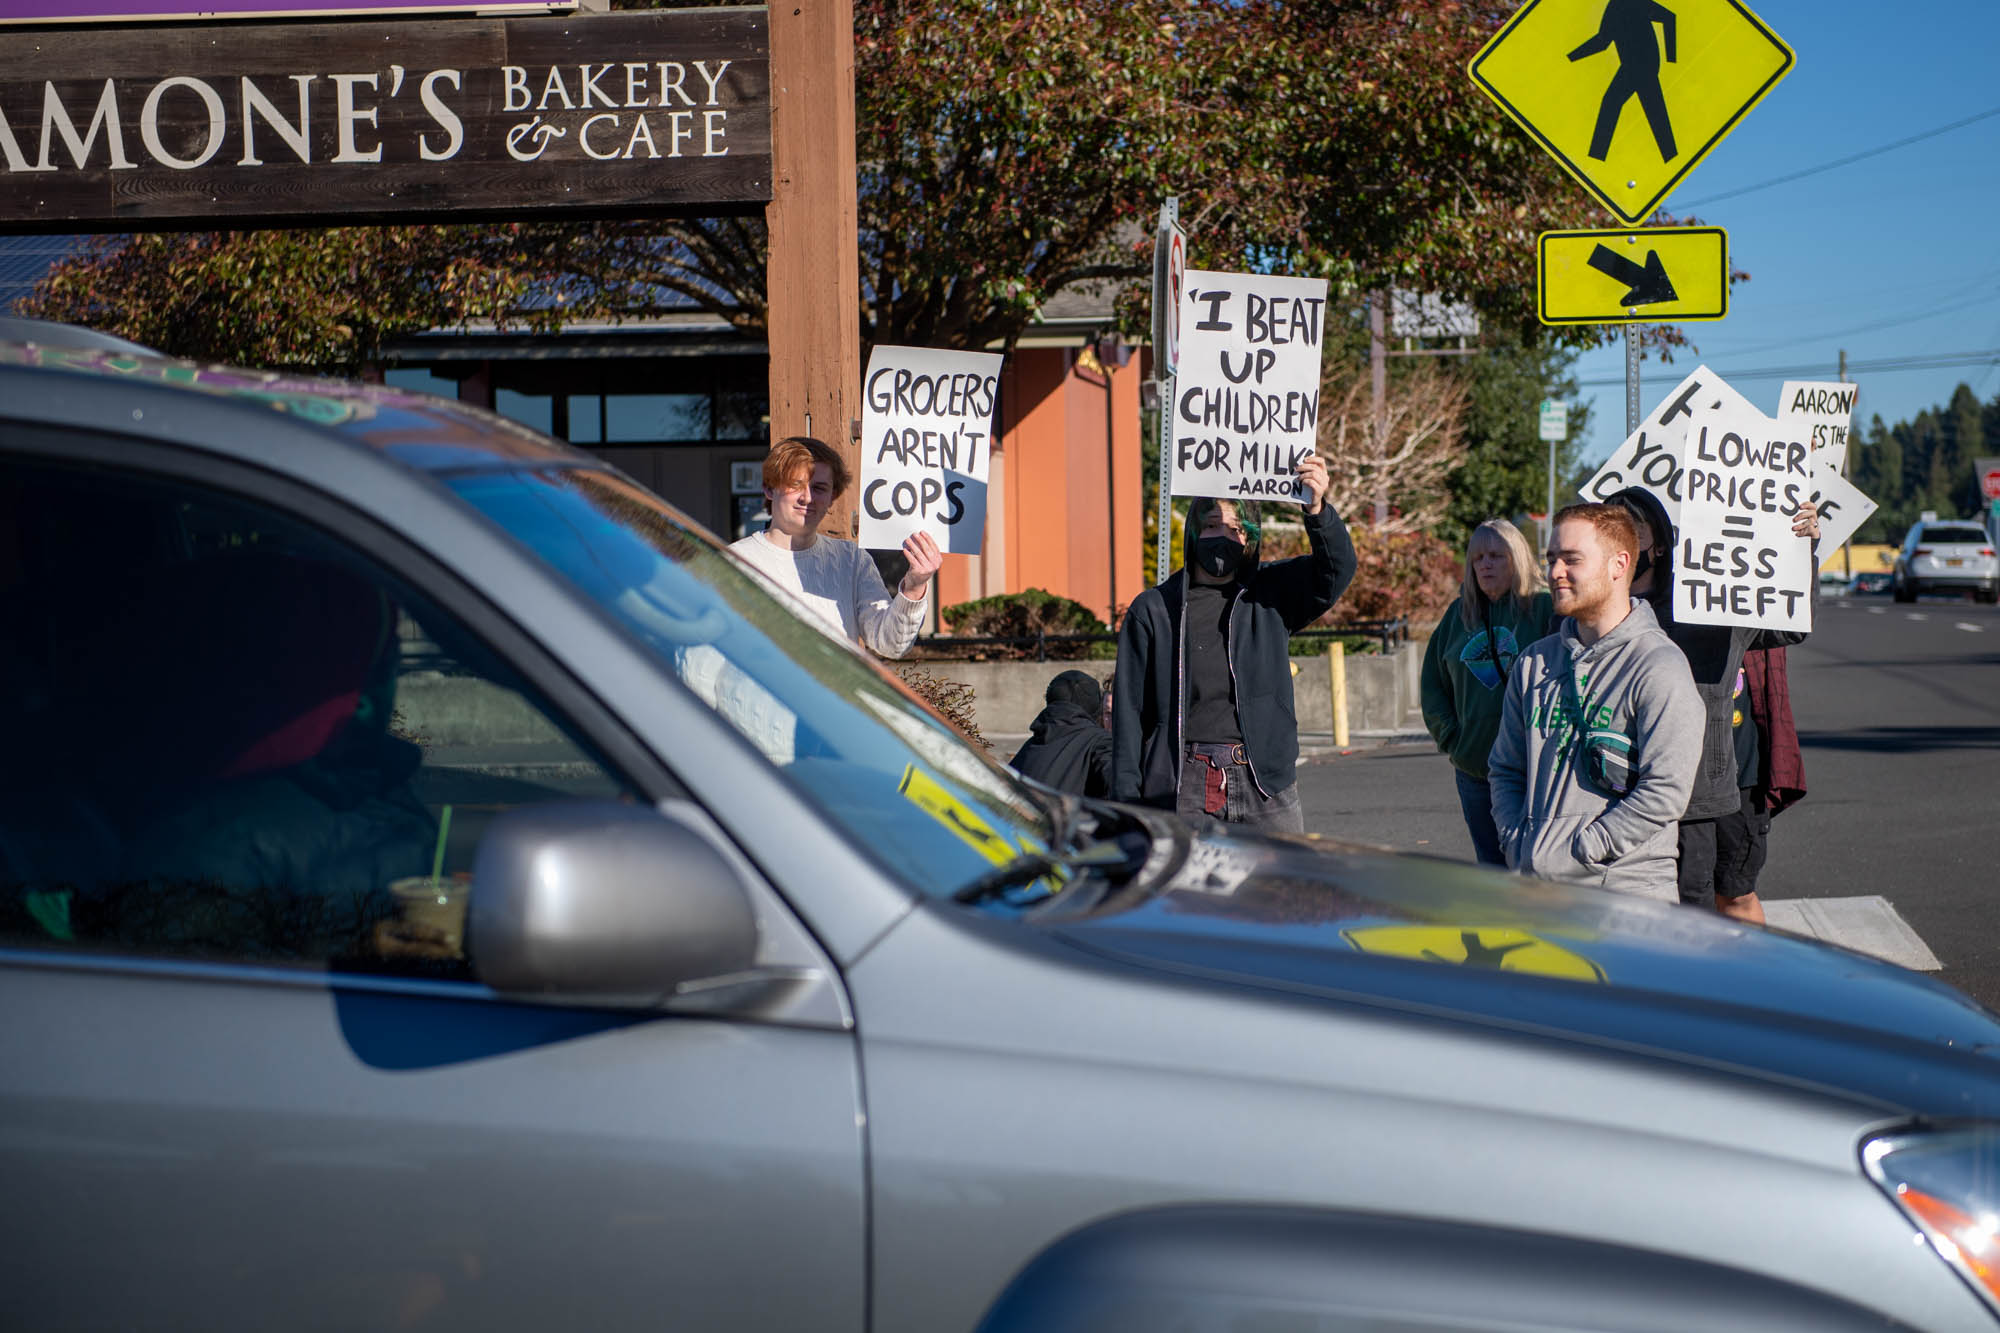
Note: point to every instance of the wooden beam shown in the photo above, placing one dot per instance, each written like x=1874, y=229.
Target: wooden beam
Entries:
x=813, y=280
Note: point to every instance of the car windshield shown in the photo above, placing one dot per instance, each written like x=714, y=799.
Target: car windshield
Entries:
x=901, y=782
x=1961, y=535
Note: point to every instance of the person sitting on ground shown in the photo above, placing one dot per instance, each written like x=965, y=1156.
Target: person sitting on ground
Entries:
x=1600, y=733
x=1203, y=721
x=835, y=580
x=1069, y=750
x=1502, y=607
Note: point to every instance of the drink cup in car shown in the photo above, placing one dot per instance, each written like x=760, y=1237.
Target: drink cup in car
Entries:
x=436, y=902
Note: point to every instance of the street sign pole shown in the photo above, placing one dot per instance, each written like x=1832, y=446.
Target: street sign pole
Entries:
x=1631, y=380
x=1554, y=426
x=1169, y=257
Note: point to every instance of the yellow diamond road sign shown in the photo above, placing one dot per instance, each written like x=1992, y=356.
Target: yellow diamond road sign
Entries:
x=1653, y=275
x=1630, y=94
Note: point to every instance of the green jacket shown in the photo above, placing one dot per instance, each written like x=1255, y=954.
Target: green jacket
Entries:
x=1463, y=689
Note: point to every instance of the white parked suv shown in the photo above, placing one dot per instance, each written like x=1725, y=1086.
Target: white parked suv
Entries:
x=1947, y=556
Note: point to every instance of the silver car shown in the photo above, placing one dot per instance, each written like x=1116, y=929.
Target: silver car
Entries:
x=440, y=890
x=1946, y=557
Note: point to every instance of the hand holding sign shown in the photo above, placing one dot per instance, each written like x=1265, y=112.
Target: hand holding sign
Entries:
x=1312, y=476
x=921, y=550
x=1805, y=523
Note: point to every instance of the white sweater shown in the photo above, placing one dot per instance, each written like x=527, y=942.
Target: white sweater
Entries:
x=837, y=582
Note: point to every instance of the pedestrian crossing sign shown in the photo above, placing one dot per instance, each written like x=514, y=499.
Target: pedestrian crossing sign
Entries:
x=1629, y=95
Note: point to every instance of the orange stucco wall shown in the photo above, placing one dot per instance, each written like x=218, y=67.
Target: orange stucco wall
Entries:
x=1065, y=513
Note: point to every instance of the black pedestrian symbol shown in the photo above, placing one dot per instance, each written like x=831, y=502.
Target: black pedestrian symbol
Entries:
x=1477, y=952
x=1628, y=25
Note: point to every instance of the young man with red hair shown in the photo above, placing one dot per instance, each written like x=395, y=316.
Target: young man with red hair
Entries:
x=1601, y=730
x=835, y=580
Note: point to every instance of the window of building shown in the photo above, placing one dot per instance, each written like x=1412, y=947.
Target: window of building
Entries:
x=421, y=379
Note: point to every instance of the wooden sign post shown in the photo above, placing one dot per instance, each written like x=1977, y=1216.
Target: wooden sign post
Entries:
x=812, y=278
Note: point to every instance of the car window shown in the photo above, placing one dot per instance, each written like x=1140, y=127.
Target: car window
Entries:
x=859, y=746
x=232, y=737
x=1963, y=533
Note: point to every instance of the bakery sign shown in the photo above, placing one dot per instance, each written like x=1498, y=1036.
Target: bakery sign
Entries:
x=646, y=113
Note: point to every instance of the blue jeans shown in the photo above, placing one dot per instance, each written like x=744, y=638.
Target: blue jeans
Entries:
x=1243, y=804
x=1475, y=798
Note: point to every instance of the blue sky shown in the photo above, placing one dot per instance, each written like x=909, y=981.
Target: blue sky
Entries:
x=1891, y=257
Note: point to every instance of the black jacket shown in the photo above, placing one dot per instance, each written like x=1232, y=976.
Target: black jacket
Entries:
x=1714, y=654
x=1270, y=603
x=1070, y=751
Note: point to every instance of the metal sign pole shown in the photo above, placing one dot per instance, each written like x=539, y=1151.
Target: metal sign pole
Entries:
x=1631, y=380
x=1170, y=216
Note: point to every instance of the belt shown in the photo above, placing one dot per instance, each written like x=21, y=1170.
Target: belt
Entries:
x=1219, y=752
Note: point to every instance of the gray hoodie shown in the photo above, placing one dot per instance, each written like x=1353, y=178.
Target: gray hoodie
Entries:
x=1553, y=821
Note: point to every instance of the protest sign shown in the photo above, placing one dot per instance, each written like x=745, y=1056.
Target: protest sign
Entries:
x=926, y=431
x=1738, y=562
x=1246, y=405
x=1842, y=509
x=1651, y=455
x=1825, y=409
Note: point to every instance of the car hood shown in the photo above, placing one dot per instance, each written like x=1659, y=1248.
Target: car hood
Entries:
x=1355, y=925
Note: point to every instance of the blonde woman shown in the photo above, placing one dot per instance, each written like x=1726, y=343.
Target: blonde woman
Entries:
x=1503, y=606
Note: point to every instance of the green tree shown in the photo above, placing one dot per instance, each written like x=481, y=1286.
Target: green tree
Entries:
x=323, y=300
x=1954, y=490
x=1007, y=152
x=1505, y=472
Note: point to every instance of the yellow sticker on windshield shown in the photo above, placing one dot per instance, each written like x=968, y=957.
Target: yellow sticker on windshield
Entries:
x=930, y=796
x=1501, y=947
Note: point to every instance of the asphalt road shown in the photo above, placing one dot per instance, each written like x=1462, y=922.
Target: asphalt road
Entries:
x=1898, y=710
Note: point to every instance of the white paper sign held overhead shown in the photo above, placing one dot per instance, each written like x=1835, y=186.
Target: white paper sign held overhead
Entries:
x=926, y=433
x=1651, y=455
x=1825, y=408
x=1737, y=562
x=1246, y=405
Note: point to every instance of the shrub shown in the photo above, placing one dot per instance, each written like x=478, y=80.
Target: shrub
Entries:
x=1408, y=574
x=1024, y=615
x=950, y=699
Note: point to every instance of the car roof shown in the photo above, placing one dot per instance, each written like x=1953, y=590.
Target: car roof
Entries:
x=50, y=333
x=419, y=430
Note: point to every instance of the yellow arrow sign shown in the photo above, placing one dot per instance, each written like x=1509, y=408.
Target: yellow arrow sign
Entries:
x=1498, y=947
x=1656, y=275
x=1630, y=94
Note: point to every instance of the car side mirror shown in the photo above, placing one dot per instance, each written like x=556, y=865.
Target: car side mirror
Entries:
x=596, y=902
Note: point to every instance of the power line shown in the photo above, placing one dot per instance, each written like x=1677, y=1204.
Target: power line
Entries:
x=1845, y=161
x=1880, y=366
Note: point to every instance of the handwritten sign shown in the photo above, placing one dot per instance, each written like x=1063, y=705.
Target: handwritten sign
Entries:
x=1246, y=405
x=926, y=433
x=1651, y=455
x=1842, y=508
x=1738, y=562
x=1825, y=410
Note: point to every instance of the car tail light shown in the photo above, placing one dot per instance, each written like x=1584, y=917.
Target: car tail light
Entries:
x=1947, y=1182
x=1986, y=550
x=1921, y=550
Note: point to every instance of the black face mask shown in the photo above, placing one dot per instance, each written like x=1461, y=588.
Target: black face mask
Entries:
x=1218, y=556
